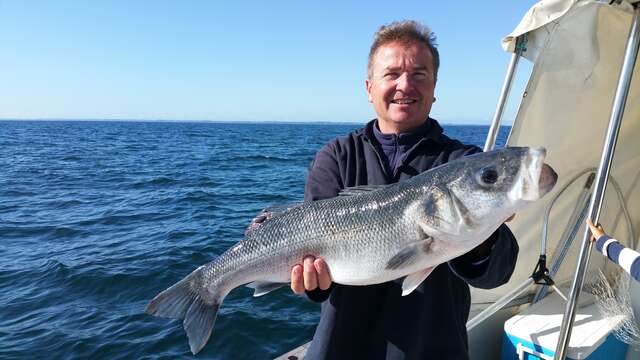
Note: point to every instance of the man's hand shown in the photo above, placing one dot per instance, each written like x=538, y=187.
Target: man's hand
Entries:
x=313, y=273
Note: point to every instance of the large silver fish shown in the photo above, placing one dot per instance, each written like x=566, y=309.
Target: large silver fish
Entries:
x=368, y=235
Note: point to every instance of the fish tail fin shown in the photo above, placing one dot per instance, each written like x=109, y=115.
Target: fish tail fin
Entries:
x=198, y=323
x=182, y=301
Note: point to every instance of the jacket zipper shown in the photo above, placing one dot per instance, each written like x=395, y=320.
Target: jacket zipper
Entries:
x=380, y=162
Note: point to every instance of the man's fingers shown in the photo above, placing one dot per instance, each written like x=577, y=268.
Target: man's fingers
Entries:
x=324, y=278
x=297, y=284
x=312, y=274
x=309, y=273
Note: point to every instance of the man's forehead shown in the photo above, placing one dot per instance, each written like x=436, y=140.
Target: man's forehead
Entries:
x=414, y=66
x=396, y=54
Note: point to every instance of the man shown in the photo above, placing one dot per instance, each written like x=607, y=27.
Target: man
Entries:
x=376, y=322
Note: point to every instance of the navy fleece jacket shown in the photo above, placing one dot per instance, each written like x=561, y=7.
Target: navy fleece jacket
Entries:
x=376, y=322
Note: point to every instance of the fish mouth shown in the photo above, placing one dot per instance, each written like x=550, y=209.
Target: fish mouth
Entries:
x=547, y=180
x=547, y=177
x=536, y=177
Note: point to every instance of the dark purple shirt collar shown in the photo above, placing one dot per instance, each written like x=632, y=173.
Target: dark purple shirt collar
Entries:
x=396, y=147
x=410, y=137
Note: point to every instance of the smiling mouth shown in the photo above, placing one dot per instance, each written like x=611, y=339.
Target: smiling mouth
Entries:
x=403, y=101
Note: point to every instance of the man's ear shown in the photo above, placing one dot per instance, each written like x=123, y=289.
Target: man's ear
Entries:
x=367, y=85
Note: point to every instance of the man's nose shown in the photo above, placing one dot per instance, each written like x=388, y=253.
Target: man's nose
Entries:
x=404, y=82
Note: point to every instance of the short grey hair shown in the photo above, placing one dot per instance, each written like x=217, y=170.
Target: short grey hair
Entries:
x=406, y=32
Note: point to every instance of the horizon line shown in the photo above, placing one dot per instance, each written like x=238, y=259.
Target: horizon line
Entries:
x=313, y=122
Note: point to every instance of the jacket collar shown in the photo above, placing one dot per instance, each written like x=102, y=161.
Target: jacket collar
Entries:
x=431, y=130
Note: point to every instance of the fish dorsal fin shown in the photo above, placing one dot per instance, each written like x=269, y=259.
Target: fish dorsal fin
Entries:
x=412, y=281
x=359, y=190
x=263, y=287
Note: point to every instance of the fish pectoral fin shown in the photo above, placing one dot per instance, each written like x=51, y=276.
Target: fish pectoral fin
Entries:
x=359, y=190
x=263, y=287
x=412, y=281
x=411, y=253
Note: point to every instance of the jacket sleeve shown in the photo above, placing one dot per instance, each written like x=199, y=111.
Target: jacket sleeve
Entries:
x=323, y=182
x=627, y=258
x=491, y=263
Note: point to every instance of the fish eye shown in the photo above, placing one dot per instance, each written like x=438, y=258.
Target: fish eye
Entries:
x=489, y=176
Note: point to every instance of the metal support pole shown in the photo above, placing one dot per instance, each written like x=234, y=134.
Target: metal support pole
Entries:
x=619, y=101
x=504, y=95
x=567, y=238
x=500, y=303
x=576, y=220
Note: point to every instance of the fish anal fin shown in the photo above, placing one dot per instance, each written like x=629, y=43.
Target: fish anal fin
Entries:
x=264, y=287
x=412, y=281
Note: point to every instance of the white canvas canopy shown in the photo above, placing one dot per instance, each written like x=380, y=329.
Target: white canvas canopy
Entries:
x=577, y=48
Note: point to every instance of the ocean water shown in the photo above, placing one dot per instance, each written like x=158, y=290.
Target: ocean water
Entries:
x=96, y=218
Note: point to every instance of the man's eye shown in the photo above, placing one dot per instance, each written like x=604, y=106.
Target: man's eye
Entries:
x=422, y=76
x=391, y=75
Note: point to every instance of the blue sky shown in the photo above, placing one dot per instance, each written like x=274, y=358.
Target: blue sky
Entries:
x=247, y=61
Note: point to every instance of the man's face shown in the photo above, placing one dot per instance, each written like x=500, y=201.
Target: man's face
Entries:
x=401, y=85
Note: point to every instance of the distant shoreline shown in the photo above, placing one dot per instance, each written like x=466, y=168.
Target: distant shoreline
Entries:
x=224, y=121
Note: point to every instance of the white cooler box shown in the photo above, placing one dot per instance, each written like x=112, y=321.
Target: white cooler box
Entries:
x=533, y=334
